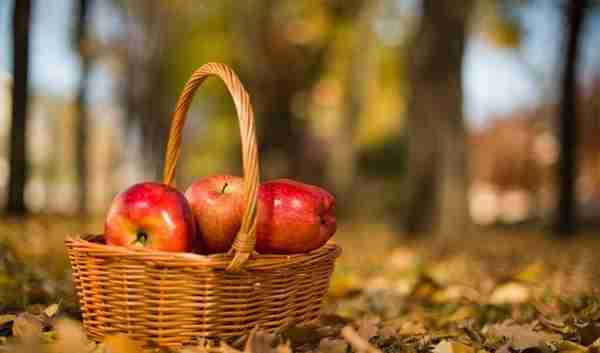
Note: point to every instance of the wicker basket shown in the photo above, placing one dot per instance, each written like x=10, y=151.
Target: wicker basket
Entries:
x=169, y=299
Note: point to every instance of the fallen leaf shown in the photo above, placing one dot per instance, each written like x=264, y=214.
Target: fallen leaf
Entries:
x=510, y=293
x=403, y=259
x=462, y=314
x=27, y=327
x=452, y=347
x=368, y=327
x=425, y=288
x=349, y=285
x=411, y=328
x=36, y=309
x=332, y=345
x=52, y=310
x=388, y=332
x=570, y=347
x=522, y=336
x=121, y=344
x=455, y=293
x=359, y=344
x=531, y=273
x=377, y=283
x=505, y=348
x=556, y=325
x=259, y=342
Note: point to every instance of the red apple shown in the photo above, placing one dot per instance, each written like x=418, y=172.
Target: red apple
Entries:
x=152, y=215
x=293, y=217
x=217, y=203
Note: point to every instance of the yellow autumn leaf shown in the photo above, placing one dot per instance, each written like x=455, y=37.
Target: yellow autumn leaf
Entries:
x=452, y=347
x=52, y=310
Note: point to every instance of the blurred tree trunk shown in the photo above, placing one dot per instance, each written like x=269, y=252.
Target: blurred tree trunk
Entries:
x=81, y=42
x=438, y=176
x=342, y=169
x=143, y=88
x=276, y=70
x=270, y=70
x=565, y=217
x=18, y=152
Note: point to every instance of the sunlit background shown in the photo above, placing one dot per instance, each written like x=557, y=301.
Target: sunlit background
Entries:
x=141, y=53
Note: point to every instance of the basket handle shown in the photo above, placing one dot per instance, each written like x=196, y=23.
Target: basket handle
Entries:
x=243, y=246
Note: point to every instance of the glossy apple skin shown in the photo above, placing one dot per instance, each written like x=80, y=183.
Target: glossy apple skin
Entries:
x=157, y=210
x=293, y=217
x=217, y=203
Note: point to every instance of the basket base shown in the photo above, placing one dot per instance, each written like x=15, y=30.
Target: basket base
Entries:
x=169, y=300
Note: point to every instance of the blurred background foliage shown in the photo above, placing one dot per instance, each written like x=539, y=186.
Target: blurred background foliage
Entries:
x=428, y=116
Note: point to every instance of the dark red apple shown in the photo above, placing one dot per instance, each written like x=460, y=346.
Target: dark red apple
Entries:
x=217, y=203
x=151, y=215
x=293, y=217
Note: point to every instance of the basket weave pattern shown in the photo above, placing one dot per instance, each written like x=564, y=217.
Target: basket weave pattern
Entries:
x=173, y=298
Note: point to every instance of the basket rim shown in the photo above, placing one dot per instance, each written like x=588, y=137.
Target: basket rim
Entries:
x=85, y=243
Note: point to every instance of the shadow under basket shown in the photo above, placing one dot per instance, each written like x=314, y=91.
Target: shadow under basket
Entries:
x=169, y=299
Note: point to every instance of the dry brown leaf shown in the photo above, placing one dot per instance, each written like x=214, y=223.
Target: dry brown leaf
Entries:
x=570, y=347
x=332, y=345
x=121, y=344
x=522, y=336
x=510, y=293
x=259, y=342
x=388, y=332
x=358, y=343
x=403, y=259
x=52, y=310
x=452, y=347
x=36, y=309
x=462, y=314
x=368, y=327
x=27, y=327
x=409, y=328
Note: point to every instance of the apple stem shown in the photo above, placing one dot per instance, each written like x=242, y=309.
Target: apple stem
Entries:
x=224, y=187
x=141, y=237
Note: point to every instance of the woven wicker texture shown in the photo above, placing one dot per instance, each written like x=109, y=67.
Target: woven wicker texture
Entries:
x=170, y=299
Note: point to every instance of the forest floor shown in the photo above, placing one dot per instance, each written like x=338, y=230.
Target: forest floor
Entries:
x=495, y=291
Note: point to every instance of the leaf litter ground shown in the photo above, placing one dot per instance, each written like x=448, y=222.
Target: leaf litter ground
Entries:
x=502, y=292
